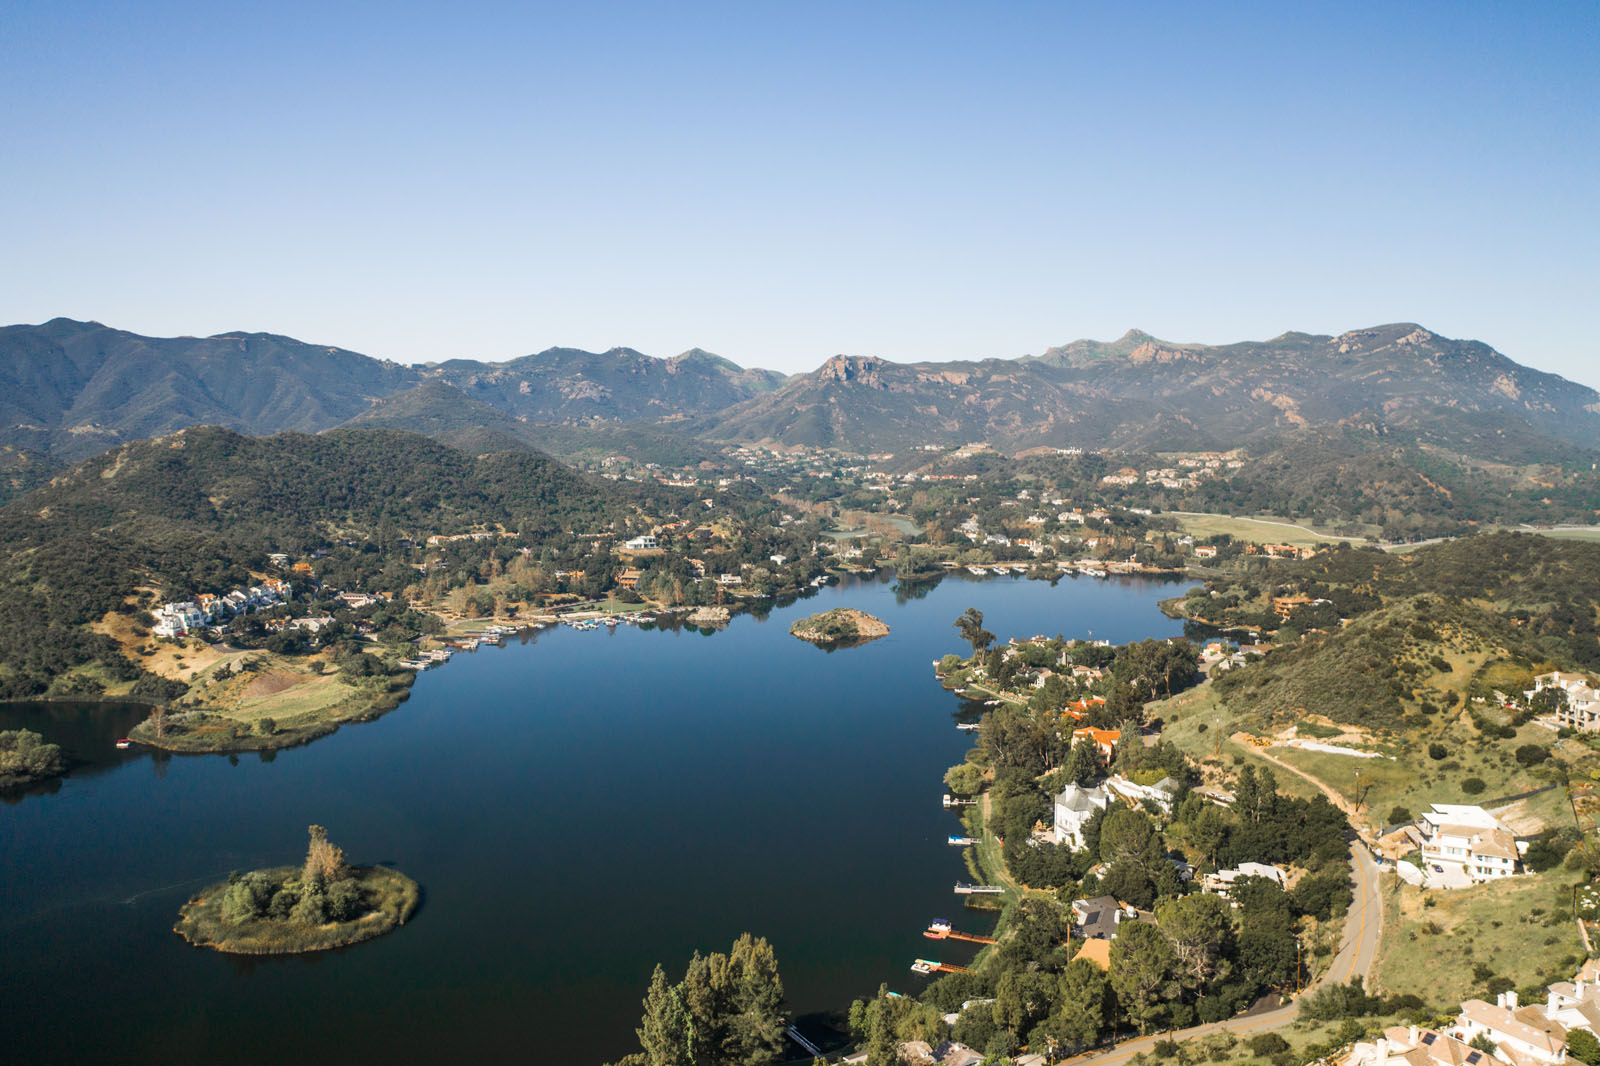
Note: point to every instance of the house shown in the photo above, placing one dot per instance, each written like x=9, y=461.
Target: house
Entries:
x=1159, y=795
x=1575, y=1004
x=1582, y=710
x=178, y=619
x=301, y=568
x=629, y=578
x=1522, y=1034
x=1284, y=606
x=1471, y=838
x=1098, y=918
x=1104, y=739
x=644, y=542
x=1073, y=809
x=1220, y=882
x=729, y=579
x=1402, y=1045
x=1205, y=551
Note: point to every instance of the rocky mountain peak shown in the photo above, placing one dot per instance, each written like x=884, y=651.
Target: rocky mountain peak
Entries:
x=860, y=369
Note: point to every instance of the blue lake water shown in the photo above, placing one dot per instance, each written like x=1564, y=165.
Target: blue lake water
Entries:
x=576, y=809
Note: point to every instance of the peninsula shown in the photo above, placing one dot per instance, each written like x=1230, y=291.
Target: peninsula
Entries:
x=289, y=910
x=841, y=627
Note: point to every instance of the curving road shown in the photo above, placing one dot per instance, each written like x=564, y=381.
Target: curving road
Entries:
x=1358, y=949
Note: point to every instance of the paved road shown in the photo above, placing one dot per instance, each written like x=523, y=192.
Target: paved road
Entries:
x=1358, y=950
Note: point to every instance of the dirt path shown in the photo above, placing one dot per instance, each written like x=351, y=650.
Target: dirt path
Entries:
x=1333, y=795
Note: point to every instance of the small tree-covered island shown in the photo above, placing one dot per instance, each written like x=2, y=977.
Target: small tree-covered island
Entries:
x=324, y=903
x=25, y=759
x=840, y=627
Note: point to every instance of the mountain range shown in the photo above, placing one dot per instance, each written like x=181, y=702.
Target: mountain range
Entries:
x=71, y=389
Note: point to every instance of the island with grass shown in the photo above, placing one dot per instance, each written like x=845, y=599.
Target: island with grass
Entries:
x=289, y=910
x=840, y=627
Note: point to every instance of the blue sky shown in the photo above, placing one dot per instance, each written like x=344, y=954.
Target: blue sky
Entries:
x=779, y=183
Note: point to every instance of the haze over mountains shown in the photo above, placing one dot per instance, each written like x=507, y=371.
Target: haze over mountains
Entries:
x=70, y=389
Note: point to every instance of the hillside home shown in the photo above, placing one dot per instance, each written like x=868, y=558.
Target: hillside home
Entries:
x=1205, y=551
x=1574, y=1004
x=1098, y=918
x=1471, y=838
x=1522, y=1034
x=1158, y=795
x=1411, y=1046
x=1073, y=809
x=628, y=579
x=644, y=542
x=1222, y=881
x=1104, y=739
x=1582, y=711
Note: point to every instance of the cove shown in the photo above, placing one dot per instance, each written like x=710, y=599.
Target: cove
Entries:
x=576, y=807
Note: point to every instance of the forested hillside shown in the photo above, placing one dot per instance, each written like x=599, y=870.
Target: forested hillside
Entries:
x=202, y=508
x=1378, y=639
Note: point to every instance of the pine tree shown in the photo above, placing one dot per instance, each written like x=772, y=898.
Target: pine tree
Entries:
x=664, y=1031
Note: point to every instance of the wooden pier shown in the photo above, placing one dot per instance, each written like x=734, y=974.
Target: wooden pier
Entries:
x=941, y=930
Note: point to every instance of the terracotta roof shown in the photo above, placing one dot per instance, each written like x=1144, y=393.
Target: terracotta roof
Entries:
x=1097, y=952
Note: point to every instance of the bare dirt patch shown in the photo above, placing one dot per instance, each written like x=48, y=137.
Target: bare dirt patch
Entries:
x=271, y=683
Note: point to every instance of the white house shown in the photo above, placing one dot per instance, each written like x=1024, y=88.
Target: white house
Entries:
x=177, y=619
x=1074, y=807
x=1223, y=880
x=1402, y=1045
x=1523, y=1034
x=1471, y=838
x=1159, y=794
x=641, y=543
x=1582, y=711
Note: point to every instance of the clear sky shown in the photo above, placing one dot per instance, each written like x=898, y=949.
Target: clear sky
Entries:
x=782, y=182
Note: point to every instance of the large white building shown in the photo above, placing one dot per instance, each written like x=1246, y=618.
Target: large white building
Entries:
x=1471, y=838
x=1074, y=807
x=1582, y=711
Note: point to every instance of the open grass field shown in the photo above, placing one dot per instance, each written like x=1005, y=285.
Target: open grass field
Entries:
x=391, y=898
x=1259, y=530
x=1519, y=928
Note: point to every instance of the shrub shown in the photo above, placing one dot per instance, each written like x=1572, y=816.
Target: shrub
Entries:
x=267, y=726
x=1532, y=754
x=1473, y=785
x=1437, y=751
x=1265, y=1045
x=1398, y=815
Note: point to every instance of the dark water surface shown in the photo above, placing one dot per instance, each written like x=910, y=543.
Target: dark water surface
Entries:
x=576, y=810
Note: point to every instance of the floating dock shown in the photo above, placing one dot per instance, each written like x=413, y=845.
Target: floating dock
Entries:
x=933, y=966
x=964, y=889
x=951, y=801
x=961, y=842
x=939, y=929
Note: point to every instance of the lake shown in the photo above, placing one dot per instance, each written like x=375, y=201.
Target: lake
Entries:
x=577, y=807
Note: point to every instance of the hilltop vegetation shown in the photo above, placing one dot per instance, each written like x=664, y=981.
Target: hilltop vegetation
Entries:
x=201, y=509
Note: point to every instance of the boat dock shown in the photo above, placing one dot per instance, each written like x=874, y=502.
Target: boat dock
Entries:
x=951, y=801
x=969, y=727
x=939, y=929
x=805, y=1045
x=964, y=889
x=961, y=842
x=933, y=966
